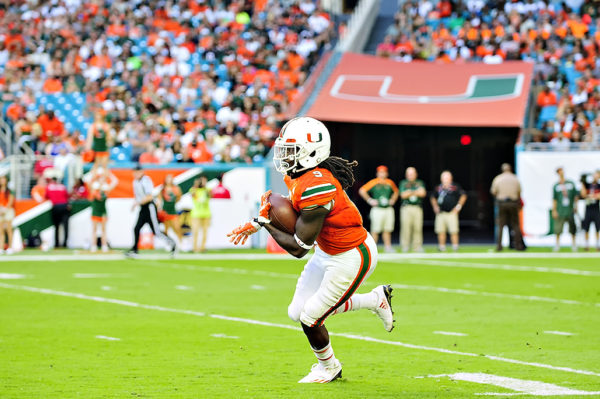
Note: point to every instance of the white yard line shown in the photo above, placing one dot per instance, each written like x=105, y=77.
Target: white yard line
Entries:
x=99, y=275
x=385, y=257
x=183, y=288
x=107, y=338
x=217, y=269
x=11, y=276
x=564, y=333
x=455, y=334
x=461, y=291
x=48, y=291
x=496, y=266
x=224, y=336
x=527, y=387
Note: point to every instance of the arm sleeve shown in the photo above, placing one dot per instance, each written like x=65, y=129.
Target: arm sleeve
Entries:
x=148, y=186
x=369, y=185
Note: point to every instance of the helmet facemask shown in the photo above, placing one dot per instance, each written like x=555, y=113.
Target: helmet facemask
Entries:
x=285, y=157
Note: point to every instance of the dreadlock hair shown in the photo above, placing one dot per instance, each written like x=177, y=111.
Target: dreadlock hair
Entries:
x=341, y=169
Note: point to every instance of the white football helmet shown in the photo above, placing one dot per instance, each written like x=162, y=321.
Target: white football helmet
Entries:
x=303, y=143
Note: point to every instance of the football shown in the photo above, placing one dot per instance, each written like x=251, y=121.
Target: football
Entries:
x=282, y=213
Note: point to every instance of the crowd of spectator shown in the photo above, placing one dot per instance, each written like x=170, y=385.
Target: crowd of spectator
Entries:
x=561, y=38
x=175, y=81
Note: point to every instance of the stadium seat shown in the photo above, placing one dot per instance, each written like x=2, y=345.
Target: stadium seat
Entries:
x=547, y=113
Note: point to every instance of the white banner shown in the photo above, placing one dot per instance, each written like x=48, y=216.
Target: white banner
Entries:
x=246, y=185
x=537, y=173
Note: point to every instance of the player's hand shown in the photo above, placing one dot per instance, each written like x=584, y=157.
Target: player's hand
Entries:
x=373, y=202
x=436, y=210
x=554, y=214
x=240, y=234
x=265, y=207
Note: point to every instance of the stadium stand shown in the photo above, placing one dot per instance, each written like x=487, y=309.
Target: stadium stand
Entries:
x=561, y=38
x=189, y=81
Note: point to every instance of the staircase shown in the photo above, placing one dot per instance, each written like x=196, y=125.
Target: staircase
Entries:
x=385, y=18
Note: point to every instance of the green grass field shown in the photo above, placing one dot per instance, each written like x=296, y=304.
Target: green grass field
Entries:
x=217, y=326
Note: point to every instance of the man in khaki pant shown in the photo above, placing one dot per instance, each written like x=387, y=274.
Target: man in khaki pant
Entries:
x=447, y=200
x=381, y=193
x=412, y=192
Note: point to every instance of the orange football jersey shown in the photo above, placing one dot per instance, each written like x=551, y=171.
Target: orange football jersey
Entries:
x=342, y=228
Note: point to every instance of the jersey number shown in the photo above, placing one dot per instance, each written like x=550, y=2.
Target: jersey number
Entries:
x=317, y=173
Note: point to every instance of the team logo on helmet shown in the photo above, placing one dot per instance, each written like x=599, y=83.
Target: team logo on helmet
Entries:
x=309, y=137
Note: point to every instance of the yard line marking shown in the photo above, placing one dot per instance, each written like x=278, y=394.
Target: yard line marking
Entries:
x=11, y=276
x=224, y=336
x=527, y=387
x=183, y=287
x=218, y=269
x=106, y=288
x=537, y=285
x=48, y=291
x=456, y=334
x=567, y=334
x=386, y=257
x=490, y=294
x=100, y=275
x=107, y=338
x=257, y=287
x=495, y=266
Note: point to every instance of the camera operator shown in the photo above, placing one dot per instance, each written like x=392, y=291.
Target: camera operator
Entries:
x=590, y=192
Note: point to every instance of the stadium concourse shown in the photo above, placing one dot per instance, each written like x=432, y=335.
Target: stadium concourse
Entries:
x=561, y=38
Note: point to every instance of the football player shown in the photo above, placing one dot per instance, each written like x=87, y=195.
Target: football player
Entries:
x=345, y=255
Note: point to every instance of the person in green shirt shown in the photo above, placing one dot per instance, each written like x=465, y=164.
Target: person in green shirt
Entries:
x=412, y=192
x=564, y=206
x=200, y=213
x=381, y=193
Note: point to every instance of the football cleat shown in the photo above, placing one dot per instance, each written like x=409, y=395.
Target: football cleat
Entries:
x=322, y=375
x=383, y=309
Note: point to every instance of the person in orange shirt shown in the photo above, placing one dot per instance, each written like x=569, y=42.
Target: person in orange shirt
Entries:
x=345, y=255
x=51, y=126
x=198, y=152
x=52, y=85
x=7, y=214
x=546, y=97
x=38, y=192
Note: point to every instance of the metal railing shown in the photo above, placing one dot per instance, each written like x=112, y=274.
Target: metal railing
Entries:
x=19, y=169
x=569, y=147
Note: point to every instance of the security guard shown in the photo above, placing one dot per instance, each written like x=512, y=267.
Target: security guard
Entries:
x=507, y=191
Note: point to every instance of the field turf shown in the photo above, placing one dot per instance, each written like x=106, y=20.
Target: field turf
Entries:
x=217, y=326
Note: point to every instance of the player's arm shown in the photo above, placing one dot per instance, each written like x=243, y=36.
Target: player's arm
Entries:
x=89, y=137
x=434, y=204
x=308, y=227
x=395, y=192
x=461, y=203
x=421, y=192
x=583, y=192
